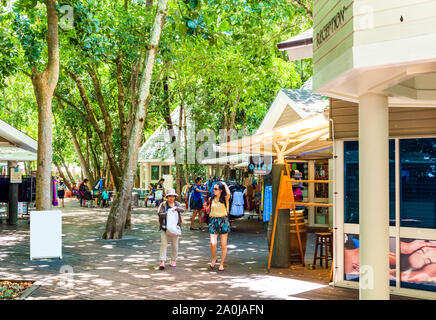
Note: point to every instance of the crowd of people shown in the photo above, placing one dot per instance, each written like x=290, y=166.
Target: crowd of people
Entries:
x=217, y=199
x=82, y=192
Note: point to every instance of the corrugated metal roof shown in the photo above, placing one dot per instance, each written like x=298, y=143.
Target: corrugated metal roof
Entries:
x=17, y=138
x=158, y=145
x=305, y=38
x=305, y=102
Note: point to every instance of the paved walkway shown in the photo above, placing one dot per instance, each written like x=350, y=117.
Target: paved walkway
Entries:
x=128, y=268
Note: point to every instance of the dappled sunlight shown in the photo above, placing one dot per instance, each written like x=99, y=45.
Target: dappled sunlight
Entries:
x=275, y=287
x=128, y=268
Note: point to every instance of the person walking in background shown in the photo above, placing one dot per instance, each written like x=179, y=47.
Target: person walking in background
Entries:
x=83, y=189
x=170, y=228
x=60, y=188
x=219, y=224
x=197, y=203
x=105, y=198
x=159, y=193
x=75, y=191
x=150, y=195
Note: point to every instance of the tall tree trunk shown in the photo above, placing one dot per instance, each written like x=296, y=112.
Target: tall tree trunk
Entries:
x=44, y=84
x=105, y=139
x=95, y=160
x=117, y=217
x=229, y=123
x=83, y=163
x=67, y=182
x=185, y=132
x=174, y=140
x=67, y=170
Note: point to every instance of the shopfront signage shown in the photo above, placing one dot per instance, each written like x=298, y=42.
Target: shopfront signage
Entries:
x=331, y=26
x=15, y=176
x=260, y=165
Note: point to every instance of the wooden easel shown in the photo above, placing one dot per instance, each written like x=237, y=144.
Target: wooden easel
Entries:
x=286, y=200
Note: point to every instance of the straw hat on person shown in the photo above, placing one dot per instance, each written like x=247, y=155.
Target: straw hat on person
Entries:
x=171, y=192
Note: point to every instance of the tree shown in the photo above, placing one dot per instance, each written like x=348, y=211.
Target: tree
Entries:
x=223, y=63
x=44, y=83
x=117, y=216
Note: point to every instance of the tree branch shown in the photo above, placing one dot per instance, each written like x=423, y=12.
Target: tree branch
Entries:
x=97, y=88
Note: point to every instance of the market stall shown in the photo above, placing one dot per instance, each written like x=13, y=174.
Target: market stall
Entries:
x=15, y=190
x=305, y=142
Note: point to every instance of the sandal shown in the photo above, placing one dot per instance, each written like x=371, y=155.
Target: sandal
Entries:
x=219, y=269
x=213, y=266
x=162, y=266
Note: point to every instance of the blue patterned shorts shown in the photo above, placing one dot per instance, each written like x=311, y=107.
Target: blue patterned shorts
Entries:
x=219, y=225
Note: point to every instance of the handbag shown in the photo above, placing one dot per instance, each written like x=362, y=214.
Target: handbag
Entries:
x=173, y=228
x=206, y=209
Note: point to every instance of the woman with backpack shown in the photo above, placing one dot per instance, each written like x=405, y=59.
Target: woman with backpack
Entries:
x=170, y=221
x=219, y=222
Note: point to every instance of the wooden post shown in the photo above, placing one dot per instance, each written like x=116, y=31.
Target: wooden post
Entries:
x=283, y=200
x=280, y=241
x=13, y=198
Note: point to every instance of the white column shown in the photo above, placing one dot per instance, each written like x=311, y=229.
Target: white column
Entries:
x=147, y=173
x=374, y=197
x=141, y=175
x=331, y=171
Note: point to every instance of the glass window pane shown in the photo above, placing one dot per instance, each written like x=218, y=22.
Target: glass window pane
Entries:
x=165, y=170
x=418, y=183
x=154, y=173
x=351, y=182
x=321, y=173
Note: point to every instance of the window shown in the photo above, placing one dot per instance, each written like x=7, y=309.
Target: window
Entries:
x=154, y=173
x=321, y=173
x=351, y=182
x=165, y=170
x=418, y=183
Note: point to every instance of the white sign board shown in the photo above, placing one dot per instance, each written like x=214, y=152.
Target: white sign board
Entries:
x=169, y=181
x=15, y=176
x=45, y=234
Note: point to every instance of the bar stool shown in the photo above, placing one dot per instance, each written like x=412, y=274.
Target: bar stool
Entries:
x=324, y=240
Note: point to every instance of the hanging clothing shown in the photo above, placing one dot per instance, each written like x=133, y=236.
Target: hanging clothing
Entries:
x=267, y=203
x=237, y=209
